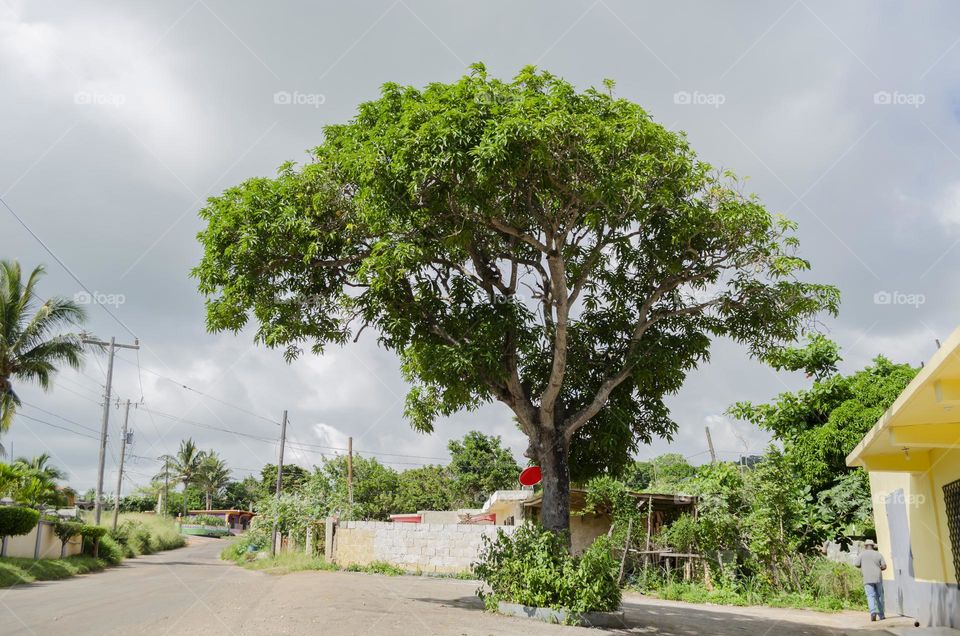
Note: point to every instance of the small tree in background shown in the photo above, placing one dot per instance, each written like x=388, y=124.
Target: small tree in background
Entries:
x=480, y=465
x=65, y=530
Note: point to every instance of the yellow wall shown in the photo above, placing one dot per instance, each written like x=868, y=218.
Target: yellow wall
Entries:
x=23, y=546
x=926, y=515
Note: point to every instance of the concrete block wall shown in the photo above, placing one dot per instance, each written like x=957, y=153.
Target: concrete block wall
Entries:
x=427, y=547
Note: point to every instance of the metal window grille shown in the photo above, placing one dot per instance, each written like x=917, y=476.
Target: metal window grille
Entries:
x=951, y=497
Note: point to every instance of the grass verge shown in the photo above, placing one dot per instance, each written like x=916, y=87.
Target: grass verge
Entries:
x=697, y=593
x=14, y=571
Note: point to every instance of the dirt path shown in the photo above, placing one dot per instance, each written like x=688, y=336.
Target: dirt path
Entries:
x=192, y=591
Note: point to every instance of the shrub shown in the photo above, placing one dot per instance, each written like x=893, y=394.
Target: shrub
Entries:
x=16, y=520
x=533, y=567
x=110, y=551
x=205, y=520
x=65, y=530
x=377, y=567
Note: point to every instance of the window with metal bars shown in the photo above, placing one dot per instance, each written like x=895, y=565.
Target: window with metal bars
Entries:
x=951, y=497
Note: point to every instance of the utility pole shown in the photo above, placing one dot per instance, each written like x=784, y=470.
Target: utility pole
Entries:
x=350, y=471
x=123, y=450
x=713, y=454
x=112, y=347
x=283, y=440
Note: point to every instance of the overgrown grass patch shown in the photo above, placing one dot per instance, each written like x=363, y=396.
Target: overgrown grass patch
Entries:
x=14, y=571
x=377, y=567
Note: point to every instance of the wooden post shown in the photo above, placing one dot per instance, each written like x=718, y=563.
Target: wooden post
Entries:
x=649, y=521
x=626, y=548
x=309, y=549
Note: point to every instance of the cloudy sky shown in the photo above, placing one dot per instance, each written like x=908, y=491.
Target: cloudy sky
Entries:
x=119, y=119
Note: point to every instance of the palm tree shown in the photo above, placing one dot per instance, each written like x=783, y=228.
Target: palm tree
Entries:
x=167, y=473
x=31, y=349
x=185, y=465
x=212, y=476
x=41, y=465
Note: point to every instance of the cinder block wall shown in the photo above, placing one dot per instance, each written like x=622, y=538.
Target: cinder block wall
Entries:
x=427, y=547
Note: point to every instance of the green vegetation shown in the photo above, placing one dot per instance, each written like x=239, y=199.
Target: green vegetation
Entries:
x=16, y=571
x=377, y=567
x=17, y=520
x=761, y=528
x=184, y=465
x=478, y=461
x=826, y=586
x=138, y=534
x=32, y=481
x=205, y=520
x=31, y=347
x=532, y=567
x=522, y=241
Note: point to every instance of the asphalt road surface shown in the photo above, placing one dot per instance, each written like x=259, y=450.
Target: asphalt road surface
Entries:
x=191, y=591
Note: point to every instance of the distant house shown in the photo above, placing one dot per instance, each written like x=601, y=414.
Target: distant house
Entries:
x=913, y=457
x=237, y=520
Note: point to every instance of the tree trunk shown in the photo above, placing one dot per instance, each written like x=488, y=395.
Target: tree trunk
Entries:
x=208, y=501
x=555, y=471
x=186, y=485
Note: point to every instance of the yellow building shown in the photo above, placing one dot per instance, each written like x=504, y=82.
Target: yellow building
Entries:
x=913, y=457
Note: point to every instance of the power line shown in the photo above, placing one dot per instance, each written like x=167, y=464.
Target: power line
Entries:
x=65, y=419
x=80, y=395
x=186, y=387
x=64, y=266
x=62, y=428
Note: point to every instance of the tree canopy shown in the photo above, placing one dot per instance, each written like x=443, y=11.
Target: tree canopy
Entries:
x=553, y=249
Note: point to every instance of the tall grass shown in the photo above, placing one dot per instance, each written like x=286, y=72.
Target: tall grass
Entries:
x=14, y=571
x=138, y=533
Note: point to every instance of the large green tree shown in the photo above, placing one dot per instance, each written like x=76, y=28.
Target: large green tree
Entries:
x=32, y=346
x=553, y=249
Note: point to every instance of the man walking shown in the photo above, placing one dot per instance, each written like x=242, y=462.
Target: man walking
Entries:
x=871, y=564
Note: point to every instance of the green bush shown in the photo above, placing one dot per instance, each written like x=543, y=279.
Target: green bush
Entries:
x=377, y=567
x=110, y=550
x=205, y=520
x=16, y=520
x=65, y=530
x=533, y=567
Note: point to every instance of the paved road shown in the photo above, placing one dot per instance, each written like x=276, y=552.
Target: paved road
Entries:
x=191, y=591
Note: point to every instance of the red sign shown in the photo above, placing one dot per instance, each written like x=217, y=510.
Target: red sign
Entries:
x=530, y=476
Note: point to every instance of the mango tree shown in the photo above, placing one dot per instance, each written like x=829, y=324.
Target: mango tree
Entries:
x=551, y=249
